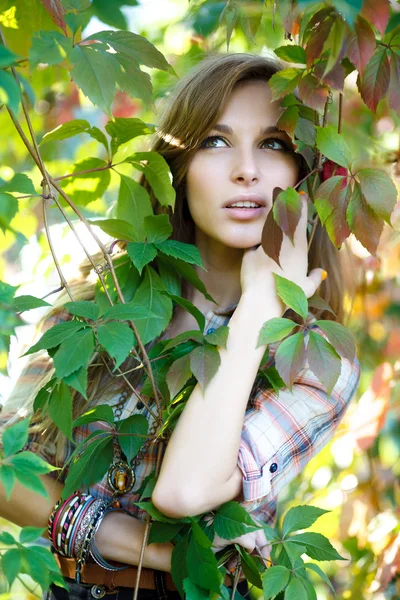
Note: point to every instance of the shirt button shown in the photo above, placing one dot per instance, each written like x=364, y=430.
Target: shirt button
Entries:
x=139, y=405
x=273, y=468
x=211, y=330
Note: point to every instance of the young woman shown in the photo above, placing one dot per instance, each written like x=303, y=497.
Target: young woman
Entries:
x=239, y=440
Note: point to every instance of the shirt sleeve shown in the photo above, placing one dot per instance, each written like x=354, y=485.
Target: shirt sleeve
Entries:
x=19, y=405
x=283, y=431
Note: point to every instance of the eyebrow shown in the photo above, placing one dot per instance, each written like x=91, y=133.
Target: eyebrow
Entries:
x=226, y=129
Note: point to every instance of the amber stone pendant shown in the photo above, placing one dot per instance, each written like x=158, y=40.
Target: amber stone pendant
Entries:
x=121, y=477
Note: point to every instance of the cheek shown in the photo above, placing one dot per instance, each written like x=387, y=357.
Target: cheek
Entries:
x=283, y=172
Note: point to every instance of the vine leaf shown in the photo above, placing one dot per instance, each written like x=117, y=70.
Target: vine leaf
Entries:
x=123, y=129
x=219, y=337
x=131, y=444
x=301, y=517
x=333, y=146
x=83, y=308
x=287, y=211
x=84, y=188
x=232, y=520
x=296, y=590
x=22, y=303
x=50, y=47
x=78, y=380
x=272, y=238
x=289, y=358
x=317, y=546
x=15, y=437
x=202, y=566
x=204, y=363
x=59, y=408
x=190, y=308
x=363, y=221
x=133, y=206
x=56, y=335
x=324, y=361
x=292, y=295
x=116, y=228
x=178, y=374
x=117, y=339
x=320, y=572
x=149, y=294
x=376, y=13
x=312, y=92
x=157, y=228
x=56, y=10
x=187, y=252
x=275, y=330
x=79, y=470
x=141, y=253
x=374, y=82
x=379, y=191
x=284, y=82
x=74, y=352
x=340, y=338
x=274, y=580
x=394, y=85
x=101, y=412
x=66, y=130
x=157, y=173
x=11, y=94
x=291, y=53
x=361, y=44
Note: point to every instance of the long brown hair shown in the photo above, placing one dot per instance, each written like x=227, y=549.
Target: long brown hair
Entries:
x=190, y=113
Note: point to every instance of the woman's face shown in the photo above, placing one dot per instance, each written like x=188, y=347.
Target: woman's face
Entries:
x=243, y=157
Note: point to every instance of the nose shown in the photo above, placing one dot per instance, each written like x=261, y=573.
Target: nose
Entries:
x=244, y=168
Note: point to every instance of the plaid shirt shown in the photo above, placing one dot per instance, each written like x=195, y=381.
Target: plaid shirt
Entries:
x=282, y=431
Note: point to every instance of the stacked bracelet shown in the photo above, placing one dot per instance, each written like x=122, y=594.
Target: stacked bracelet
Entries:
x=73, y=525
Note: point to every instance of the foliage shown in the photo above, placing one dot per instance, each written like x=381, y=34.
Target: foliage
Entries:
x=322, y=45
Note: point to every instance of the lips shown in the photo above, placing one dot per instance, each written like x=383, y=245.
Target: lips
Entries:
x=246, y=198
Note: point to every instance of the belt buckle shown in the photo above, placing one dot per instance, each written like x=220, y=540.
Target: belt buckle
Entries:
x=98, y=591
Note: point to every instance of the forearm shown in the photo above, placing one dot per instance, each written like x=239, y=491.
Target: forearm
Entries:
x=201, y=456
x=118, y=538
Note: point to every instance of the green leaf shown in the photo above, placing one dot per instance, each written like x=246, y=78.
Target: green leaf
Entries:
x=134, y=205
x=191, y=334
x=75, y=352
x=56, y=335
x=30, y=534
x=379, y=191
x=301, y=517
x=204, y=363
x=274, y=379
x=340, y=337
x=82, y=466
x=157, y=173
x=295, y=590
x=289, y=358
x=19, y=183
x=287, y=211
x=78, y=380
x=317, y=569
x=137, y=426
x=11, y=564
x=123, y=130
x=333, y=146
x=7, y=477
x=187, y=272
x=178, y=563
x=199, y=535
x=275, y=330
x=284, y=82
x=27, y=463
x=96, y=73
x=187, y=252
x=85, y=187
x=100, y=464
x=157, y=228
x=274, y=580
x=50, y=47
x=117, y=339
x=7, y=539
x=60, y=408
x=291, y=53
x=219, y=337
x=135, y=47
x=22, y=303
x=129, y=312
x=294, y=553
x=318, y=546
x=292, y=295
x=141, y=253
x=7, y=58
x=116, y=228
x=374, y=83
x=163, y=532
x=158, y=515
x=99, y=136
x=8, y=207
x=202, y=566
x=149, y=295
x=324, y=361
x=83, y=308
x=190, y=308
x=250, y=567
x=66, y=130
x=133, y=81
x=232, y=520
x=178, y=374
x=101, y=412
x=15, y=437
x=366, y=225
x=7, y=292
x=193, y=591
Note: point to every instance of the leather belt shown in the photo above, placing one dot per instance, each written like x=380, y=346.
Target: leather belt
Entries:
x=93, y=573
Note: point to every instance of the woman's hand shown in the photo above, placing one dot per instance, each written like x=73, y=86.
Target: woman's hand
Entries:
x=256, y=275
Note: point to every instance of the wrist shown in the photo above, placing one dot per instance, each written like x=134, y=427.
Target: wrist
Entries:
x=261, y=307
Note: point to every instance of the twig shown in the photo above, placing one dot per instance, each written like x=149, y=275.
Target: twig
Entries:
x=27, y=587
x=236, y=580
x=64, y=283
x=59, y=289
x=339, y=127
x=109, y=166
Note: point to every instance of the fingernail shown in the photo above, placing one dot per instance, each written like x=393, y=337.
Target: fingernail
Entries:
x=324, y=274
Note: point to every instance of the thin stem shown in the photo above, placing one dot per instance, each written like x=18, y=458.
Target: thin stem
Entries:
x=339, y=128
x=304, y=178
x=64, y=283
x=59, y=289
x=109, y=166
x=27, y=587
x=236, y=580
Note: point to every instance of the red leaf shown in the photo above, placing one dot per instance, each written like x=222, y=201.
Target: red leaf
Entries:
x=363, y=221
x=374, y=83
x=377, y=12
x=394, y=85
x=333, y=79
x=361, y=44
x=287, y=211
x=312, y=93
x=331, y=168
x=336, y=224
x=324, y=361
x=271, y=238
x=288, y=120
x=318, y=39
x=289, y=358
x=57, y=12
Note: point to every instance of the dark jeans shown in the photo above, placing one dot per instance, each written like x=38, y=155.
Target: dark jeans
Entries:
x=85, y=591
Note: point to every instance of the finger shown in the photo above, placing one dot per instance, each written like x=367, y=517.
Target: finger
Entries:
x=313, y=281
